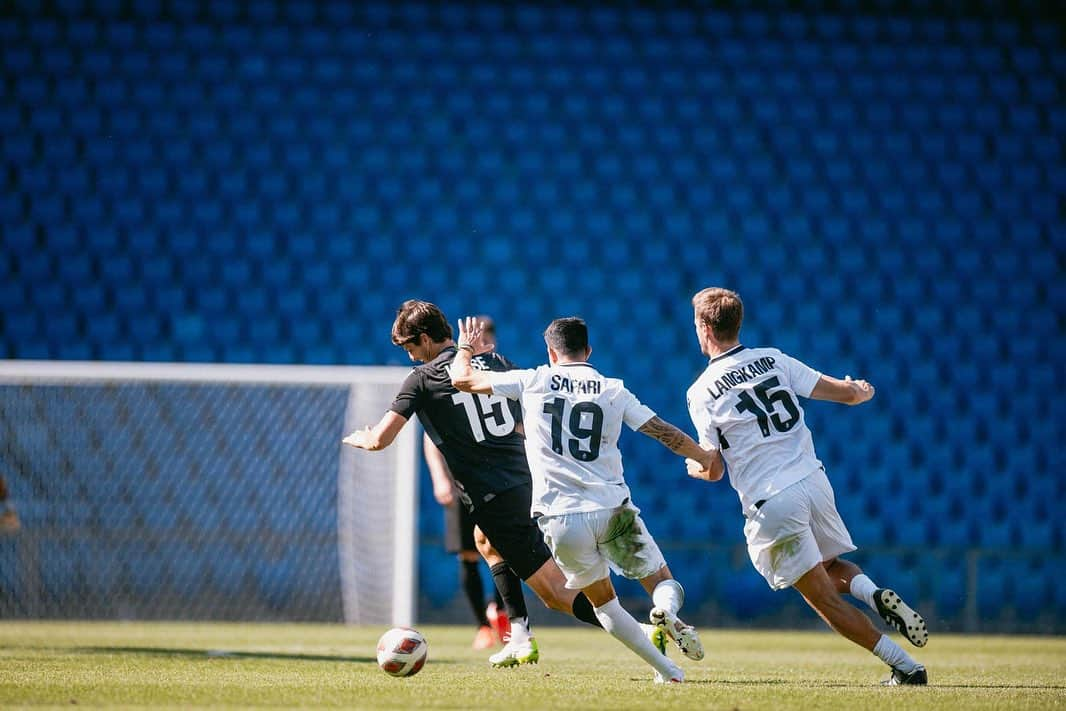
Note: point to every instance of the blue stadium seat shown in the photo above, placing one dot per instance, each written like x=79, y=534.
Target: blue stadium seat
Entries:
x=948, y=576
x=438, y=573
x=995, y=534
x=746, y=595
x=993, y=587
x=1030, y=586
x=194, y=182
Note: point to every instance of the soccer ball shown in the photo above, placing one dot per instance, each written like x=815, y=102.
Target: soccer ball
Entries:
x=402, y=651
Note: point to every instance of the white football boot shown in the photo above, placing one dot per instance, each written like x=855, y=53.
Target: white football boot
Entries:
x=683, y=635
x=677, y=676
x=894, y=611
x=515, y=653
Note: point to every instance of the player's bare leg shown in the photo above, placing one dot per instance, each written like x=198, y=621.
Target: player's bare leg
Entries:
x=821, y=594
x=841, y=572
x=485, y=548
x=549, y=584
x=621, y=625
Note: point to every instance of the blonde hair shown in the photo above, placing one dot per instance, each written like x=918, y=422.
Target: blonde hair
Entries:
x=722, y=310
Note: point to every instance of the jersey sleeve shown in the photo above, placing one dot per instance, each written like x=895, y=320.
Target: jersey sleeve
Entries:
x=636, y=414
x=701, y=420
x=801, y=376
x=409, y=400
x=511, y=383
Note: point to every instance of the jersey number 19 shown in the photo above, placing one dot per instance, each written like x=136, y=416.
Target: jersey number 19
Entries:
x=586, y=424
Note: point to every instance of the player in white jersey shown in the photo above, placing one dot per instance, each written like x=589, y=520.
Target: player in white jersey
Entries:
x=573, y=417
x=746, y=404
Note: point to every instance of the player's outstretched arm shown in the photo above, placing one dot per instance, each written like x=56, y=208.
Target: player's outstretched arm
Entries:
x=471, y=341
x=708, y=460
x=380, y=435
x=846, y=391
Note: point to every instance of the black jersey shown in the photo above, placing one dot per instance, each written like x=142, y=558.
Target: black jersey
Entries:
x=475, y=433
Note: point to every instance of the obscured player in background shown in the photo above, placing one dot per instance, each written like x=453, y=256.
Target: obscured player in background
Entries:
x=9, y=518
x=745, y=403
x=464, y=539
x=573, y=419
x=485, y=453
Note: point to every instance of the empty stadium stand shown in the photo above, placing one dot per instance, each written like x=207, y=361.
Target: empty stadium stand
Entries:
x=882, y=182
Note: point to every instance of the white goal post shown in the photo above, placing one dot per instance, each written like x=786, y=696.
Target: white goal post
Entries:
x=205, y=491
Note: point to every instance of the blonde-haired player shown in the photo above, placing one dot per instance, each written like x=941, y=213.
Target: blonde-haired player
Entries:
x=745, y=403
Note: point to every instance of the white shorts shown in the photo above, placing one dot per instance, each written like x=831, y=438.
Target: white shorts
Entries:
x=795, y=530
x=587, y=545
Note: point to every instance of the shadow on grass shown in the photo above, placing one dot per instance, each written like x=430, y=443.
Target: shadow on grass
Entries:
x=222, y=654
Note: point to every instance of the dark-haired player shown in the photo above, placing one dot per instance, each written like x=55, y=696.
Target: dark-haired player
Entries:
x=574, y=418
x=478, y=438
x=466, y=540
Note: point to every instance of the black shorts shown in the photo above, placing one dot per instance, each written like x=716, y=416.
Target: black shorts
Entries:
x=505, y=520
x=458, y=528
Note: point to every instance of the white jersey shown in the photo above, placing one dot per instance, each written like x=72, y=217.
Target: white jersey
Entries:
x=573, y=417
x=745, y=403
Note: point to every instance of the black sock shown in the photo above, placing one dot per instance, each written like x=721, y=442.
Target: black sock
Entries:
x=584, y=611
x=470, y=578
x=509, y=586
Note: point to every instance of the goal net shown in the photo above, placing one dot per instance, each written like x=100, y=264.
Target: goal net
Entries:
x=200, y=492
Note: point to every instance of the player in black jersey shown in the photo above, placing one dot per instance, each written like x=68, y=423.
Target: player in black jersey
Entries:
x=463, y=539
x=480, y=440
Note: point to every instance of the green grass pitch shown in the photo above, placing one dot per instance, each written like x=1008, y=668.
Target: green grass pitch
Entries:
x=185, y=665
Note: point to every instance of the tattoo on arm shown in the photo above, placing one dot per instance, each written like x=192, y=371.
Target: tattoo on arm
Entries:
x=666, y=433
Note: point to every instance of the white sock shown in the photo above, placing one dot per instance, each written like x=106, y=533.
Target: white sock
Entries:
x=669, y=595
x=520, y=629
x=893, y=655
x=621, y=625
x=862, y=588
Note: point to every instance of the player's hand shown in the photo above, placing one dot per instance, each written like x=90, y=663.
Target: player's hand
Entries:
x=705, y=466
x=359, y=438
x=697, y=470
x=866, y=391
x=472, y=333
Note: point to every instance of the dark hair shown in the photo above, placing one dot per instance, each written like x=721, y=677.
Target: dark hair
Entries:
x=488, y=326
x=414, y=318
x=722, y=310
x=567, y=336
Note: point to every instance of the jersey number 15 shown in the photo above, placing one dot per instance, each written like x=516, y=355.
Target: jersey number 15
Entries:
x=769, y=399
x=486, y=413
